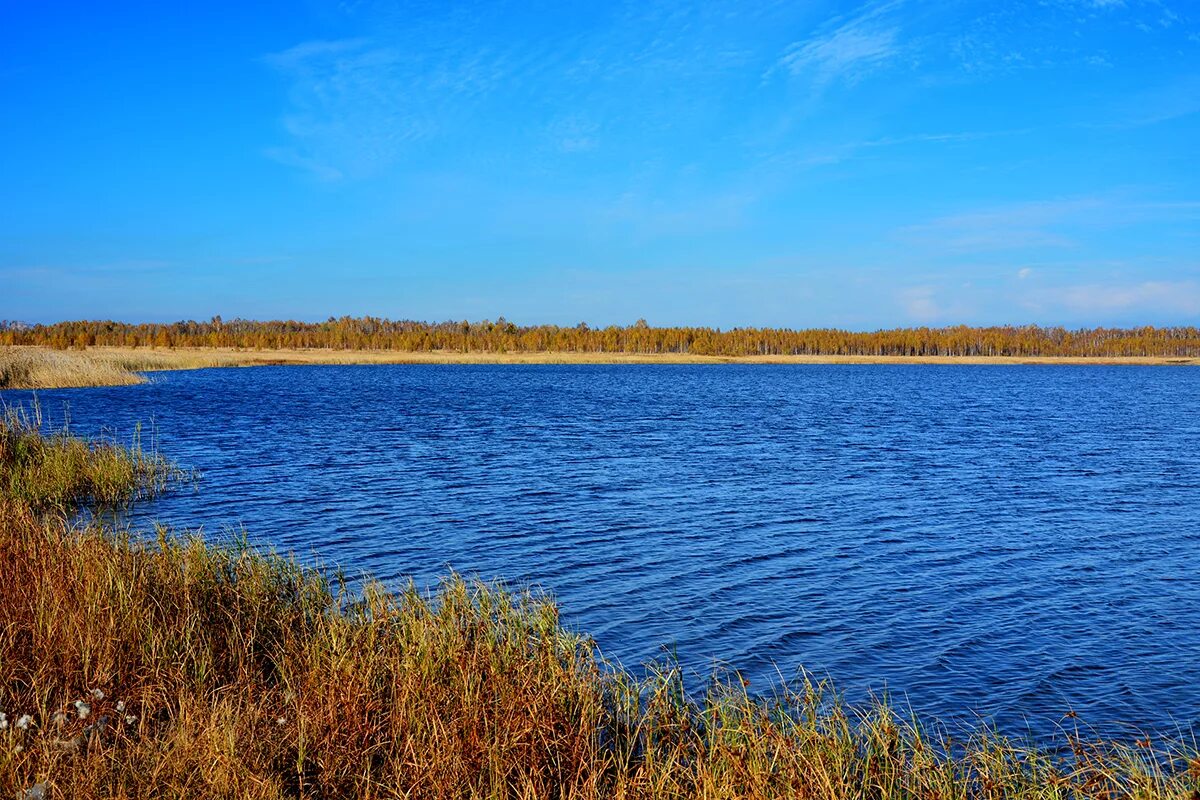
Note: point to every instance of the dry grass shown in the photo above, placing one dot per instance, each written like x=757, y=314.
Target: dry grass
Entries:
x=194, y=357
x=42, y=368
x=177, y=668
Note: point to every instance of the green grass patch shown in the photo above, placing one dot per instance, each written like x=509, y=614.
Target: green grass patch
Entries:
x=55, y=471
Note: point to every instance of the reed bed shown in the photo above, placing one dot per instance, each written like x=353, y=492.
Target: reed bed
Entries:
x=44, y=368
x=23, y=367
x=39, y=368
x=177, y=667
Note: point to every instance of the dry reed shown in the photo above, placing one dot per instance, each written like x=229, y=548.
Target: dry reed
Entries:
x=42, y=368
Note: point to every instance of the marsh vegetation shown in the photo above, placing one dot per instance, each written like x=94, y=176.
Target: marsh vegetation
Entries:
x=45, y=368
x=39, y=367
x=175, y=666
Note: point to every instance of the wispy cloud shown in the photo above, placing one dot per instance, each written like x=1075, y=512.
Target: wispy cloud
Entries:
x=839, y=153
x=1041, y=223
x=354, y=105
x=846, y=50
x=1095, y=4
x=1005, y=38
x=88, y=273
x=931, y=304
x=291, y=157
x=1100, y=299
x=574, y=133
x=1020, y=225
x=920, y=304
x=650, y=217
x=1180, y=98
x=949, y=42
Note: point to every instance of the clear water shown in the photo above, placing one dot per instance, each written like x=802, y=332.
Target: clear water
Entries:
x=1008, y=542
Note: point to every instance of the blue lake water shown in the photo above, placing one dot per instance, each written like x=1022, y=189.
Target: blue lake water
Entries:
x=1008, y=542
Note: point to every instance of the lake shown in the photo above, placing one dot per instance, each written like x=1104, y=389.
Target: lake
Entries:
x=1012, y=542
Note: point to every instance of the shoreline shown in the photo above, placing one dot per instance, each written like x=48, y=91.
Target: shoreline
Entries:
x=292, y=356
x=37, y=367
x=198, y=668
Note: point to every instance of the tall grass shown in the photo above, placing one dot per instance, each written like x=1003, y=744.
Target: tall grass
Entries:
x=43, y=368
x=55, y=471
x=38, y=368
x=183, y=668
x=24, y=367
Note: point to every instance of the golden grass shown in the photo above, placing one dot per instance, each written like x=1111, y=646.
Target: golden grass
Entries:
x=179, y=668
x=195, y=357
x=42, y=368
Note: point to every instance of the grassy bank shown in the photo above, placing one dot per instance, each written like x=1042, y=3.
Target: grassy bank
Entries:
x=56, y=472
x=42, y=368
x=179, y=668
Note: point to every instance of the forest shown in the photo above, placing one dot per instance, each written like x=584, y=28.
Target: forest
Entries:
x=502, y=336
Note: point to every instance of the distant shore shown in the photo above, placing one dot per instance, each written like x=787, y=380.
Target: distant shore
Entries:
x=44, y=368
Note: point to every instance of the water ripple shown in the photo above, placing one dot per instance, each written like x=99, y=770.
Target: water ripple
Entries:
x=1012, y=542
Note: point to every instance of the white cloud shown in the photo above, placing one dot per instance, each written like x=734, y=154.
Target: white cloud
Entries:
x=1014, y=226
x=920, y=304
x=300, y=56
x=288, y=156
x=1024, y=273
x=1180, y=98
x=574, y=133
x=355, y=106
x=1173, y=297
x=1060, y=223
x=848, y=52
x=651, y=217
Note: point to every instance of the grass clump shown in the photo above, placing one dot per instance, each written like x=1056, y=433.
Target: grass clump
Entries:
x=183, y=668
x=59, y=472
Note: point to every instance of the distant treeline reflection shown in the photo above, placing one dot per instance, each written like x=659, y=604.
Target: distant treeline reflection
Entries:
x=372, y=333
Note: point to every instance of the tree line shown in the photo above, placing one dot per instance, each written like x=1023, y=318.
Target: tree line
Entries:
x=501, y=336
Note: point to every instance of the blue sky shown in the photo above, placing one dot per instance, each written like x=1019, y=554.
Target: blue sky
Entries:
x=791, y=164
